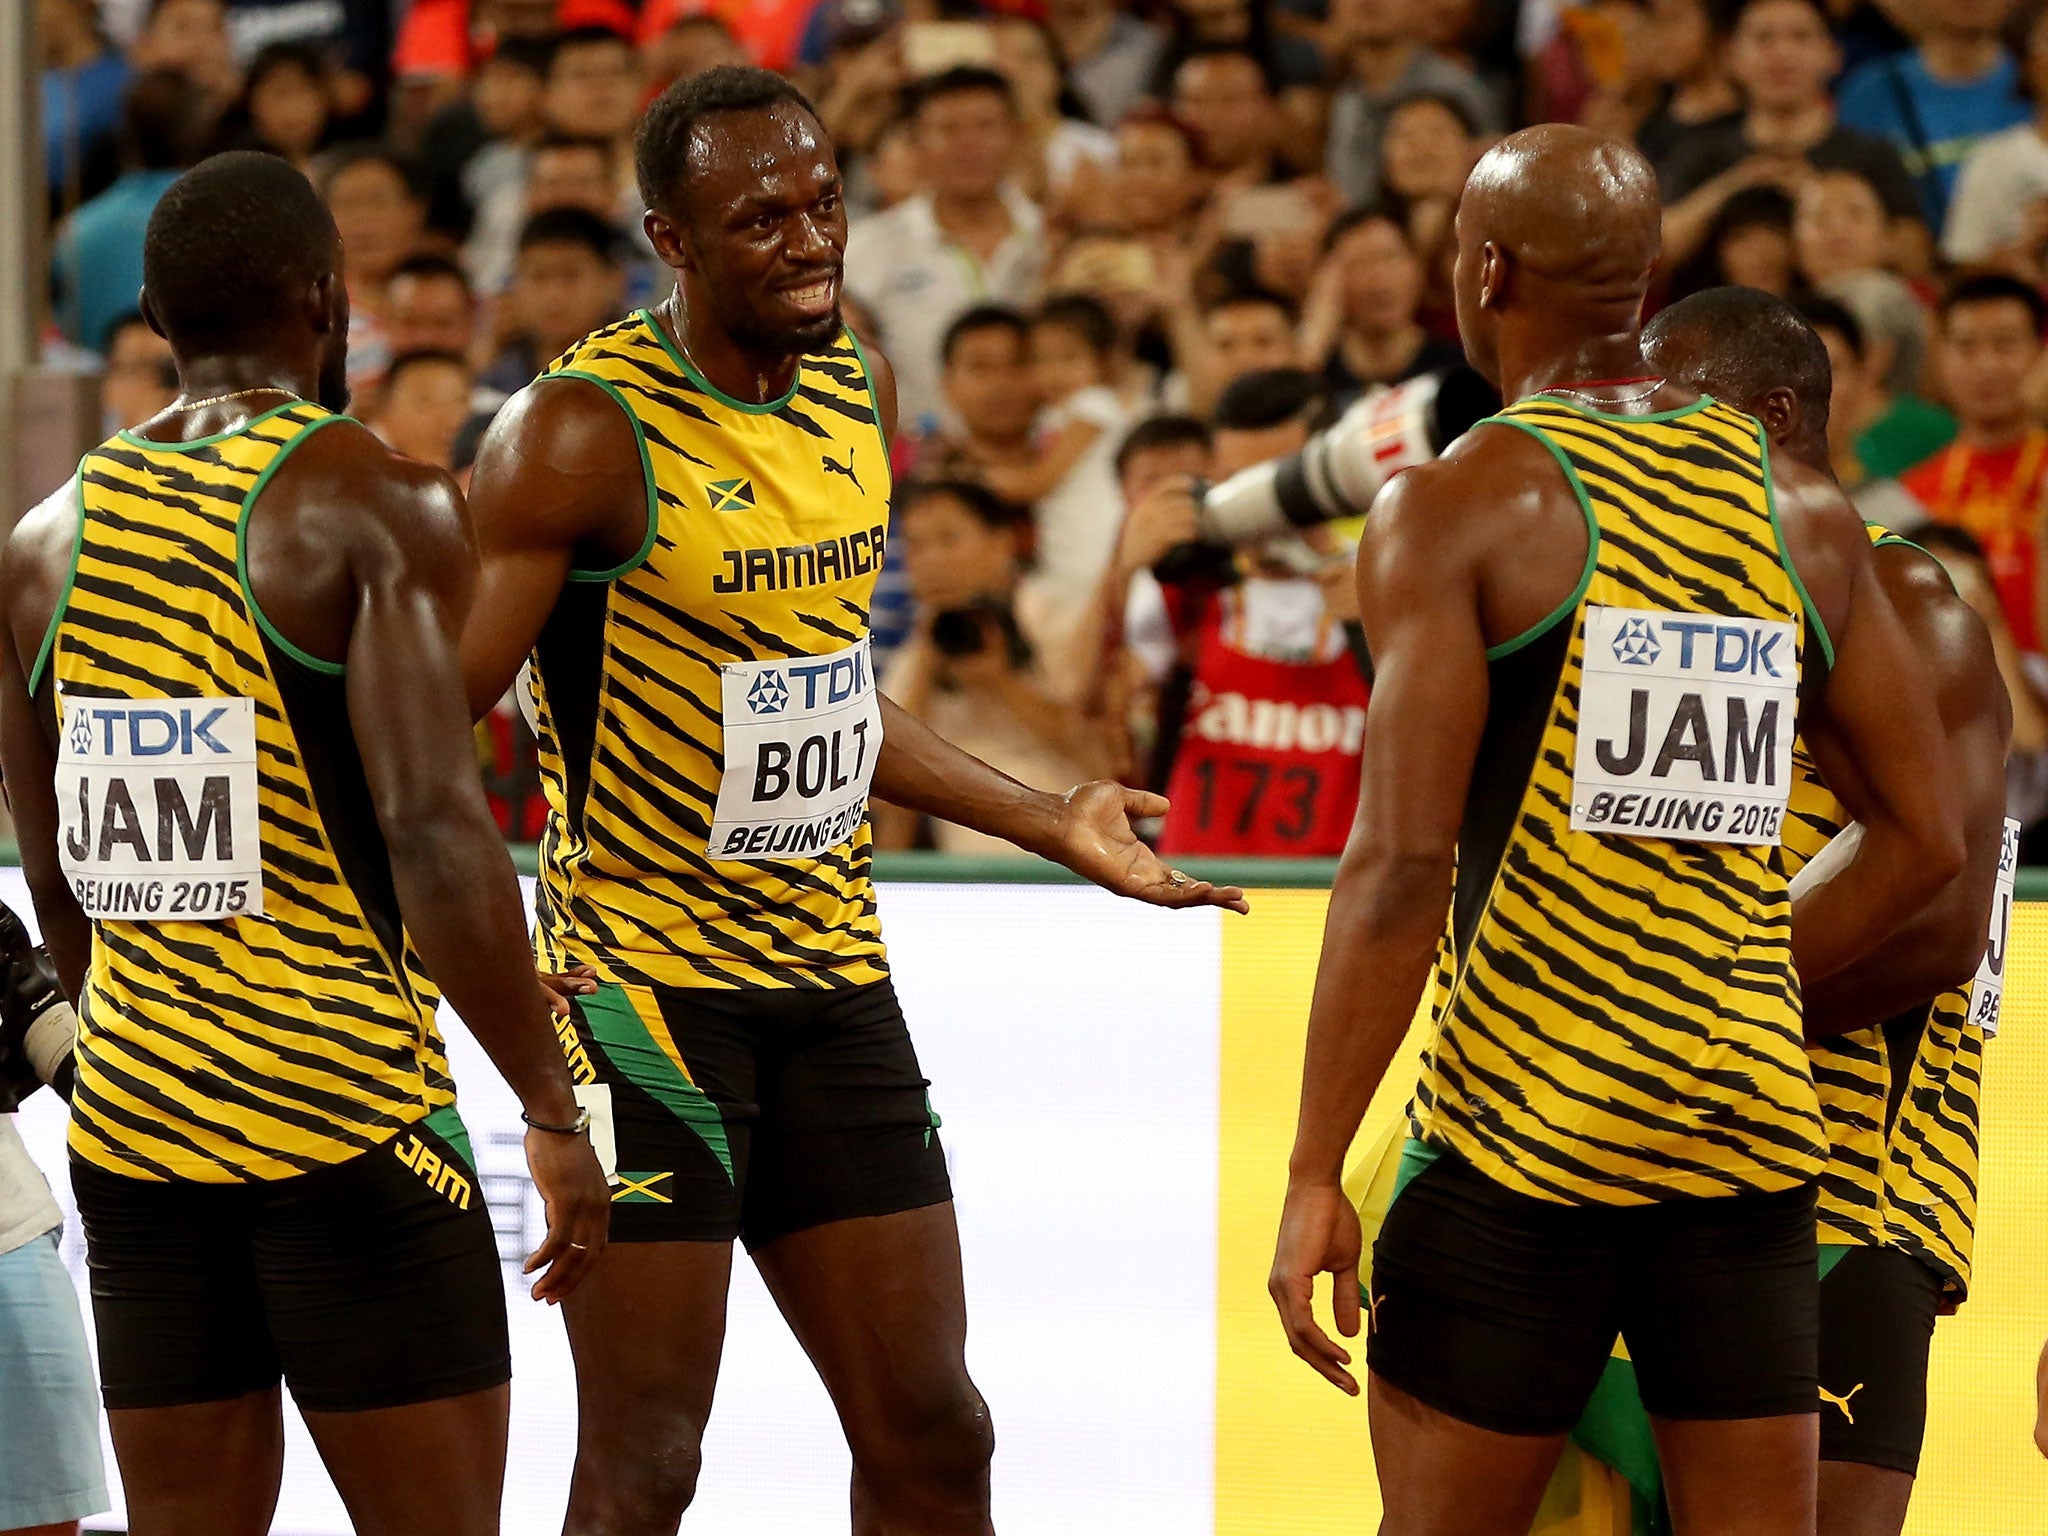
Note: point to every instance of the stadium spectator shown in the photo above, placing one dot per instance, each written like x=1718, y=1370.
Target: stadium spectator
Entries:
x=1361, y=326
x=1997, y=213
x=593, y=88
x=1749, y=242
x=1244, y=330
x=97, y=271
x=1285, y=57
x=1070, y=483
x=1053, y=148
x=1991, y=480
x=1221, y=92
x=1839, y=238
x=569, y=279
x=1155, y=186
x=969, y=236
x=475, y=147
x=84, y=80
x=558, y=171
x=1425, y=156
x=139, y=379
x=971, y=668
x=686, y=47
x=1685, y=50
x=423, y=403
x=430, y=307
x=190, y=37
x=1873, y=434
x=1111, y=55
x=1782, y=55
x=381, y=217
x=991, y=398
x=1938, y=101
x=1377, y=47
x=1267, y=757
x=286, y=105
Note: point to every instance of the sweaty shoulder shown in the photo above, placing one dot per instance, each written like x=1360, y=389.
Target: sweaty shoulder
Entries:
x=1824, y=536
x=1497, y=508
x=34, y=565
x=562, y=462
x=346, y=468
x=1945, y=631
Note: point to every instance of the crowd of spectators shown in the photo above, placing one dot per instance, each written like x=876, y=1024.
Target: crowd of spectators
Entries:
x=1117, y=249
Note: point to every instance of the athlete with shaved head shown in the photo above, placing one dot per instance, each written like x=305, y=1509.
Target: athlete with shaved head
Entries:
x=1598, y=621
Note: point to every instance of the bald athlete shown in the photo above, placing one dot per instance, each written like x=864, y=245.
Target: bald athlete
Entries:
x=1598, y=617
x=1897, y=1039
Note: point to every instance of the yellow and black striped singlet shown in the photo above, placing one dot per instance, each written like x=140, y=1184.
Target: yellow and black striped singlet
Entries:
x=1900, y=1100
x=1617, y=1017
x=766, y=527
x=246, y=1048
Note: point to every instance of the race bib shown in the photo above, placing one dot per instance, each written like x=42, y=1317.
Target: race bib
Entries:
x=1987, y=989
x=801, y=735
x=157, y=809
x=1685, y=726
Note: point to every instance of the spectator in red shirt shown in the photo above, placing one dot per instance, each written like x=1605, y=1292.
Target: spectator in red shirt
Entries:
x=1990, y=481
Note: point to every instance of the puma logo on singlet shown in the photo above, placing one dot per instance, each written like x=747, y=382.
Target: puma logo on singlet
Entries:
x=832, y=466
x=1842, y=1402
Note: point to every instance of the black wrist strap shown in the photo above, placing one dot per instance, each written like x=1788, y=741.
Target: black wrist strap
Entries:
x=575, y=1127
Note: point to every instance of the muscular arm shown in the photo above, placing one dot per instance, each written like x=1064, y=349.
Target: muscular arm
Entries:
x=1939, y=946
x=32, y=571
x=1418, y=593
x=414, y=573
x=558, y=472
x=1876, y=735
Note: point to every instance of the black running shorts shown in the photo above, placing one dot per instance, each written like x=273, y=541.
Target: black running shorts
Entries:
x=1501, y=1309
x=753, y=1114
x=370, y=1284
x=1877, y=1311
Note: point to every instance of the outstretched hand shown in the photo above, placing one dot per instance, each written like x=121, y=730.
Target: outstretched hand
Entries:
x=1093, y=838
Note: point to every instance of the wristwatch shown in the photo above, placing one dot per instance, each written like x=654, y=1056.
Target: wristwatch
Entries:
x=575, y=1127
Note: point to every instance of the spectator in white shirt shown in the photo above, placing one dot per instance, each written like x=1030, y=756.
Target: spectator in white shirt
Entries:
x=1997, y=213
x=968, y=238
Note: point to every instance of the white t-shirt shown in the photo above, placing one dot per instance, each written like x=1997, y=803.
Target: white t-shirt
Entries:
x=2000, y=179
x=27, y=1208
x=905, y=272
x=1079, y=519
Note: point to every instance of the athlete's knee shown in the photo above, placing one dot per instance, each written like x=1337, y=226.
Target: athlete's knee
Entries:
x=939, y=1438
x=636, y=1483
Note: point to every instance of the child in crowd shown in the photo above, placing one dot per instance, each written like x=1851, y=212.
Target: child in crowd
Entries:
x=1071, y=485
x=973, y=669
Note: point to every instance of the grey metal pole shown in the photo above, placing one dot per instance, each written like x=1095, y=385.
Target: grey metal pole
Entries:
x=21, y=231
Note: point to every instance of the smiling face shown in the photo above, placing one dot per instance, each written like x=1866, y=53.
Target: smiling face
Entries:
x=762, y=244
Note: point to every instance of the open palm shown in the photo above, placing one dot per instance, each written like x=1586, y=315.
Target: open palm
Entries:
x=1094, y=839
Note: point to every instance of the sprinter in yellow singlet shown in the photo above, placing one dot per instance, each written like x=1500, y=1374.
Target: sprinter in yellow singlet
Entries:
x=681, y=525
x=1898, y=1040
x=1598, y=621
x=237, y=755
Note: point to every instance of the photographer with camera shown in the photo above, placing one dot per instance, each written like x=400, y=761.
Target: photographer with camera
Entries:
x=50, y=1469
x=974, y=668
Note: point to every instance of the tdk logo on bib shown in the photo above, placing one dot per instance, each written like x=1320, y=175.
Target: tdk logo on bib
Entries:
x=769, y=695
x=1685, y=726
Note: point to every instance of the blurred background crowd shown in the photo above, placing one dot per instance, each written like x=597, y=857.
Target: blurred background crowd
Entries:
x=1119, y=250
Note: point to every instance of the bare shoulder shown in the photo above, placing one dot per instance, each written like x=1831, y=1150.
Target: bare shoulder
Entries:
x=560, y=466
x=882, y=375
x=1824, y=536
x=1944, y=629
x=347, y=487
x=560, y=423
x=35, y=561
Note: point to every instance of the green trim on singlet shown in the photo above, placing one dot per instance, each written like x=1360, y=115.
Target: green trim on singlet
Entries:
x=1623, y=416
x=35, y=674
x=1827, y=645
x=867, y=372
x=1415, y=1157
x=752, y=408
x=646, y=479
x=1832, y=1254
x=1565, y=609
x=629, y=1045
x=305, y=659
x=133, y=440
x=447, y=1124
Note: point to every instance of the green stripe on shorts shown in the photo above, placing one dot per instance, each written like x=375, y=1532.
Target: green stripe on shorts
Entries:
x=630, y=1046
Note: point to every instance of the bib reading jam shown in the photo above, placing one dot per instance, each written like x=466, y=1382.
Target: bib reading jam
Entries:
x=706, y=712
x=253, y=1010
x=1617, y=1016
